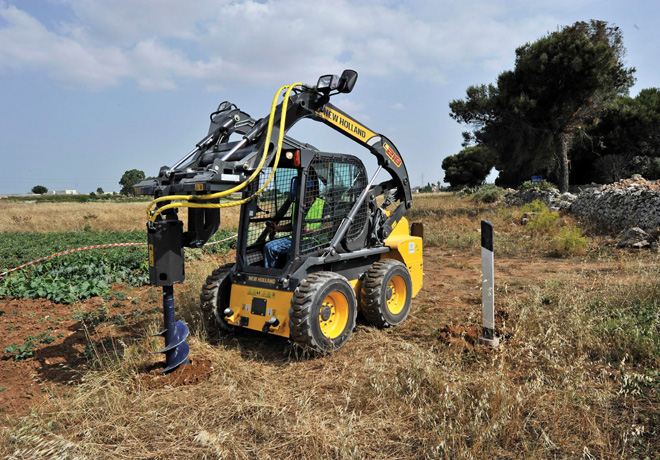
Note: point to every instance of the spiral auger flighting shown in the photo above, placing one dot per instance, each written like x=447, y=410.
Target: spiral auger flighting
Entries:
x=176, y=349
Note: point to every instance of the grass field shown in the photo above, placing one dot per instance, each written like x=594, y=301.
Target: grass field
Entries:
x=21, y=216
x=576, y=375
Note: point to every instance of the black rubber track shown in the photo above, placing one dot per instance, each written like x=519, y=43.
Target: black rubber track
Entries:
x=306, y=303
x=373, y=294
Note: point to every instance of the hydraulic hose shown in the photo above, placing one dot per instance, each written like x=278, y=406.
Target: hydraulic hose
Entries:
x=238, y=187
x=187, y=204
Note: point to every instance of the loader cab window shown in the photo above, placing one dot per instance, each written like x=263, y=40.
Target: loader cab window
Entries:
x=327, y=191
x=274, y=204
x=342, y=179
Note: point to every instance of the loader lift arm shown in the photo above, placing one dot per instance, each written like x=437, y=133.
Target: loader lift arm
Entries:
x=217, y=164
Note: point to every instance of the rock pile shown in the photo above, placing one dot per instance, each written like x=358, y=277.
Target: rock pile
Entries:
x=552, y=198
x=636, y=238
x=636, y=182
x=633, y=202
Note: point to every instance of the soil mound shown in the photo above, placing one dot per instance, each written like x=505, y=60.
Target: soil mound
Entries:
x=193, y=373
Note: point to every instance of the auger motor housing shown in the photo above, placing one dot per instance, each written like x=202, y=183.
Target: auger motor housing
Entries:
x=165, y=242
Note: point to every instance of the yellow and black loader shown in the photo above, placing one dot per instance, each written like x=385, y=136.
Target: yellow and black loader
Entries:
x=319, y=239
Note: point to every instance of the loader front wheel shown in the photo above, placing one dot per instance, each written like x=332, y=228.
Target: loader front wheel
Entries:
x=386, y=293
x=323, y=312
x=215, y=299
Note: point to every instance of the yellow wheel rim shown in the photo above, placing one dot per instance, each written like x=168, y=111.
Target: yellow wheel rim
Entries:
x=333, y=315
x=395, y=295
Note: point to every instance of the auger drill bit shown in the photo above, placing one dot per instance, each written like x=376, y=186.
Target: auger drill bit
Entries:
x=176, y=349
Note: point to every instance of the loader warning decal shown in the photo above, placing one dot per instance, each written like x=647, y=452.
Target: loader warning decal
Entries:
x=151, y=255
x=346, y=124
x=261, y=293
x=396, y=159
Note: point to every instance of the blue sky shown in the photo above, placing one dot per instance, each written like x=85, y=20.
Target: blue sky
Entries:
x=92, y=88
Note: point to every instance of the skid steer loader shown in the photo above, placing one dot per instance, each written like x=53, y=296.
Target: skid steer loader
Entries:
x=318, y=238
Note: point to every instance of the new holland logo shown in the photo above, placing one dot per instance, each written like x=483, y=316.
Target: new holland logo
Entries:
x=261, y=279
x=396, y=159
x=346, y=124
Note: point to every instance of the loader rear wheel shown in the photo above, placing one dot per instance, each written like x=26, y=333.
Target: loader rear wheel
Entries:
x=215, y=299
x=323, y=312
x=386, y=293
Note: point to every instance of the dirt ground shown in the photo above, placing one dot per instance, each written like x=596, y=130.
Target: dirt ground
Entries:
x=54, y=366
x=444, y=310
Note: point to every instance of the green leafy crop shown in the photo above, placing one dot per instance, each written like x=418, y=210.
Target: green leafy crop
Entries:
x=79, y=275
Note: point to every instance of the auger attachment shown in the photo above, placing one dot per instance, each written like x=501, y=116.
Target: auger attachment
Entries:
x=165, y=269
x=176, y=349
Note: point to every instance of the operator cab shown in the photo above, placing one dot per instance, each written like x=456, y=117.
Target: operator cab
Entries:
x=332, y=185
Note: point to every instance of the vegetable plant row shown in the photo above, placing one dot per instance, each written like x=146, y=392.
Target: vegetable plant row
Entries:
x=79, y=275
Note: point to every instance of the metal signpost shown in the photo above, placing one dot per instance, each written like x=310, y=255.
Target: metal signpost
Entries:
x=488, y=285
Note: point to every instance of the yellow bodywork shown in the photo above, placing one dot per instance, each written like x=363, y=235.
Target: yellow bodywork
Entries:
x=405, y=248
x=277, y=305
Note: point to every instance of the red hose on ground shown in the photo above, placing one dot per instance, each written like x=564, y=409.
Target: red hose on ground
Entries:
x=85, y=248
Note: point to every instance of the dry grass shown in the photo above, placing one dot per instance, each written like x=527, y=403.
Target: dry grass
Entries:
x=71, y=217
x=576, y=378
x=453, y=222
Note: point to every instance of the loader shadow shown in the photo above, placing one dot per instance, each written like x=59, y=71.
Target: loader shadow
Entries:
x=279, y=351
x=257, y=346
x=64, y=363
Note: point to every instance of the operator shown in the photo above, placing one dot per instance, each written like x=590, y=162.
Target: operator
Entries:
x=318, y=211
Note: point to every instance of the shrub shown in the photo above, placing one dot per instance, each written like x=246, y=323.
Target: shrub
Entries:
x=488, y=193
x=543, y=185
x=570, y=241
x=543, y=222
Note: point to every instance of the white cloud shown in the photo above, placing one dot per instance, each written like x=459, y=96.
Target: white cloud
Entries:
x=159, y=43
x=27, y=43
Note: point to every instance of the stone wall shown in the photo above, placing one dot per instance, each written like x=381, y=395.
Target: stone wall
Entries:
x=628, y=203
x=633, y=202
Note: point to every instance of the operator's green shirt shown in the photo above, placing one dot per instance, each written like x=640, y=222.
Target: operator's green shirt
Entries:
x=316, y=212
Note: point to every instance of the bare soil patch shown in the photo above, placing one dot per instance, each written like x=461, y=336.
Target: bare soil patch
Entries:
x=196, y=371
x=53, y=367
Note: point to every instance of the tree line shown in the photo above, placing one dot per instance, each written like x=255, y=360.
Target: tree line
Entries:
x=127, y=181
x=563, y=113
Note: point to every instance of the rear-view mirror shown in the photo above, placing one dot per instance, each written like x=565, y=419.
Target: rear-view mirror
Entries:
x=347, y=81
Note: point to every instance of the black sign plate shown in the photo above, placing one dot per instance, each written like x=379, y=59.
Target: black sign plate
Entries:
x=258, y=306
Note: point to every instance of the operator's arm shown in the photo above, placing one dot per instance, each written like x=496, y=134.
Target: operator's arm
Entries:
x=288, y=227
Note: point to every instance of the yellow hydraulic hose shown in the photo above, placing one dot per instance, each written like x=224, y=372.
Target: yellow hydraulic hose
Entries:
x=238, y=187
x=188, y=204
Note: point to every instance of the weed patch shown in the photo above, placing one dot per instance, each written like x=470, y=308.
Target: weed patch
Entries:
x=570, y=242
x=534, y=206
x=20, y=352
